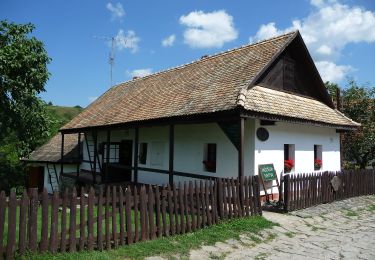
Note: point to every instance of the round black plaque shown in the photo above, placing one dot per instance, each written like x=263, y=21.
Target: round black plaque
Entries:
x=262, y=134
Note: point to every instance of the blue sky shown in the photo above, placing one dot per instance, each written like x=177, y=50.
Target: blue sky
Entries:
x=156, y=35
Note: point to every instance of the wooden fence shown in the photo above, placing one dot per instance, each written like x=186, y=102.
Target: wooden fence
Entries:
x=306, y=190
x=119, y=215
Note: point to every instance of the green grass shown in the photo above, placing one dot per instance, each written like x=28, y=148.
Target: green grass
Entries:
x=39, y=221
x=290, y=234
x=351, y=213
x=175, y=245
x=372, y=207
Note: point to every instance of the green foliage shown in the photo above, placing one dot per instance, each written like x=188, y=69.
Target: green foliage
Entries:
x=60, y=115
x=358, y=103
x=24, y=123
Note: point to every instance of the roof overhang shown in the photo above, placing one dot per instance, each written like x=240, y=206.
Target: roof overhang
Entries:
x=273, y=117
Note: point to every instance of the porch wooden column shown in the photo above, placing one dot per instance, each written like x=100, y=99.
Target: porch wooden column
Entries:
x=79, y=153
x=107, y=155
x=241, y=155
x=136, y=145
x=62, y=154
x=95, y=137
x=171, y=153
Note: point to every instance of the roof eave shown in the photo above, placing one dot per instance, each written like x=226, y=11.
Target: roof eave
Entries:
x=275, y=117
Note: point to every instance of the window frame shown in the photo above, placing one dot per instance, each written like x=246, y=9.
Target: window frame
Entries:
x=210, y=157
x=142, y=157
x=112, y=146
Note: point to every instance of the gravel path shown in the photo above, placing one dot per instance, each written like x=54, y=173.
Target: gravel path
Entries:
x=340, y=230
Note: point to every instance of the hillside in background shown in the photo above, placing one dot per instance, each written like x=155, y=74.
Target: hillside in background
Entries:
x=61, y=115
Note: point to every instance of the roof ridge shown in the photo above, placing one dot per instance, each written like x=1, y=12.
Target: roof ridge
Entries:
x=215, y=55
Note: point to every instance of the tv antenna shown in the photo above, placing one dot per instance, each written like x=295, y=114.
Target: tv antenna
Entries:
x=111, y=59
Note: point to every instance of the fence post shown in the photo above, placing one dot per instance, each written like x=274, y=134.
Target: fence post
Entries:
x=257, y=197
x=219, y=196
x=23, y=218
x=285, y=183
x=2, y=221
x=12, y=208
x=72, y=224
x=33, y=224
x=44, y=238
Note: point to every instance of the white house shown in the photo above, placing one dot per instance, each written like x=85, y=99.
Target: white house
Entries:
x=220, y=116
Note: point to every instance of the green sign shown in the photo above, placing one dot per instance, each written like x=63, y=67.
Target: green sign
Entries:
x=267, y=171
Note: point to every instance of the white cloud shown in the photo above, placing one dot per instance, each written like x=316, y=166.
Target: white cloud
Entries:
x=139, y=72
x=327, y=30
x=205, y=30
x=117, y=11
x=329, y=71
x=92, y=99
x=128, y=40
x=169, y=41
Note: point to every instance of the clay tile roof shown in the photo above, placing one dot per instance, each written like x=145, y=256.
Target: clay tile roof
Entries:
x=214, y=83
x=258, y=99
x=207, y=85
x=51, y=151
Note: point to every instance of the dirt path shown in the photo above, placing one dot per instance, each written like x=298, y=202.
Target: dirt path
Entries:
x=341, y=230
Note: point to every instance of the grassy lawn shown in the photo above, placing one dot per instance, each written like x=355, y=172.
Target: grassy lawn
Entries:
x=175, y=245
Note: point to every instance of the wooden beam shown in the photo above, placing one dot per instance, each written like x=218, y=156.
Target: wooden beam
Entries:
x=79, y=153
x=136, y=145
x=107, y=154
x=171, y=153
x=241, y=156
x=95, y=139
x=222, y=116
x=62, y=154
x=241, y=148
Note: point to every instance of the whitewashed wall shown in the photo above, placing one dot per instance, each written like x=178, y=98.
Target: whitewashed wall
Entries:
x=304, y=137
x=67, y=168
x=190, y=140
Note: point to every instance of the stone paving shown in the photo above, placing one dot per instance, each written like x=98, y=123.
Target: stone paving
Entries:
x=340, y=230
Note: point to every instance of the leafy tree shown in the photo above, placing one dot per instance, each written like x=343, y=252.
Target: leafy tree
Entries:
x=358, y=103
x=24, y=123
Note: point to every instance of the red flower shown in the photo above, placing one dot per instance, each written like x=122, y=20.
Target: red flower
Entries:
x=288, y=165
x=317, y=164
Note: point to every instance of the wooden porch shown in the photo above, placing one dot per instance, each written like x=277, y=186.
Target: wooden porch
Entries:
x=105, y=172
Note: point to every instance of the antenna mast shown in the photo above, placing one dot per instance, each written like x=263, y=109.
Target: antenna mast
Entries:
x=111, y=59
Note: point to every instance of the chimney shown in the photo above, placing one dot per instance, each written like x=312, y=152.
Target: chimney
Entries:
x=204, y=56
x=135, y=77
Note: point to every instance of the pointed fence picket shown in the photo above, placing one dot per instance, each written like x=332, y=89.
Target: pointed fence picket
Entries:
x=78, y=220
x=307, y=190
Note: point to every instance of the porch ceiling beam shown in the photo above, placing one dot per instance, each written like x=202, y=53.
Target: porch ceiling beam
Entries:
x=221, y=116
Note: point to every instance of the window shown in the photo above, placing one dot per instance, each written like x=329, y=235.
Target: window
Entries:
x=114, y=152
x=142, y=153
x=289, y=157
x=318, y=163
x=209, y=160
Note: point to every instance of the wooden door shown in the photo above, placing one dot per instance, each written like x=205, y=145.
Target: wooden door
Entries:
x=36, y=177
x=122, y=173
